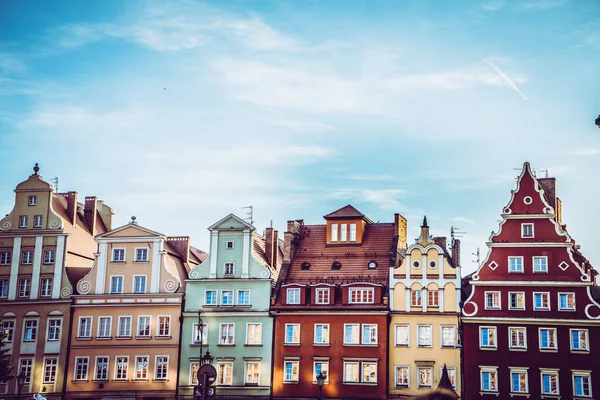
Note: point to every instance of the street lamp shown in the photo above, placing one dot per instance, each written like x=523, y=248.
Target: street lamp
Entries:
x=206, y=358
x=320, y=383
x=20, y=382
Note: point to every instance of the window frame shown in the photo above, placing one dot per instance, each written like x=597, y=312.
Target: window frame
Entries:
x=158, y=364
x=52, y=257
x=535, y=307
x=246, y=370
x=418, y=296
x=587, y=340
x=34, y=329
x=227, y=247
x=23, y=221
x=38, y=221
x=231, y=333
x=293, y=326
x=5, y=257
x=134, y=286
x=159, y=327
x=323, y=328
x=122, y=277
x=430, y=326
x=216, y=297
x=295, y=297
x=489, y=370
x=196, y=334
x=226, y=265
x=343, y=232
x=137, y=331
x=523, y=236
x=495, y=306
x=419, y=384
x=533, y=264
x=549, y=372
x=45, y=288
x=437, y=298
x=32, y=200
x=136, y=252
x=257, y=341
x=521, y=262
x=51, y=381
x=294, y=378
x=321, y=362
x=325, y=293
x=407, y=344
x=27, y=260
x=76, y=376
x=90, y=328
x=248, y=302
x=510, y=334
x=8, y=326
x=24, y=288
x=364, y=295
x=402, y=385
x=354, y=325
x=96, y=378
x=362, y=334
x=136, y=369
x=352, y=236
x=560, y=308
x=540, y=342
x=519, y=371
x=117, y=364
x=493, y=329
x=583, y=374
x=120, y=325
x=232, y=298
x=455, y=331
x=523, y=298
x=99, y=327
x=112, y=255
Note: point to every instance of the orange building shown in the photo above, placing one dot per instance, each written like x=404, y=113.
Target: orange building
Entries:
x=126, y=328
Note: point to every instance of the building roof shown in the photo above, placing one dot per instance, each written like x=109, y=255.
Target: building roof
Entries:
x=259, y=245
x=347, y=211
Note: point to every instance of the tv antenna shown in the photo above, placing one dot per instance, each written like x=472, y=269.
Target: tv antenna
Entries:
x=477, y=257
x=249, y=215
x=545, y=171
x=55, y=182
x=456, y=233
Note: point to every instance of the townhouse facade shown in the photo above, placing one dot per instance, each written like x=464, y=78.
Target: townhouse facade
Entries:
x=228, y=295
x=46, y=242
x=126, y=326
x=531, y=317
x=425, y=295
x=331, y=307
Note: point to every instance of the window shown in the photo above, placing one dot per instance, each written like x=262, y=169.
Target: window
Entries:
x=143, y=327
x=224, y=373
x=369, y=334
x=124, y=327
x=54, y=326
x=228, y=269
x=85, y=327
x=540, y=264
x=194, y=373
x=37, y=221
x=322, y=333
x=46, y=287
x=322, y=295
x=101, y=369
x=50, y=365
x=8, y=327
x=518, y=381
x=448, y=336
x=566, y=301
x=141, y=367
x=23, y=221
x=252, y=373
x=292, y=333
x=321, y=367
x=343, y=232
x=197, y=334
x=334, y=232
x=361, y=296
x=104, y=327
x=550, y=382
x=451, y=375
x=3, y=289
x=369, y=372
x=541, y=301
x=254, y=334
x=515, y=264
x=121, y=366
x=164, y=326
x=492, y=300
x=403, y=376
x=210, y=297
x=351, y=334
x=489, y=380
x=24, y=287
x=116, y=284
x=433, y=298
x=487, y=336
x=141, y=255
x=81, y=368
x=526, y=230
x=416, y=298
x=402, y=335
x=5, y=258
x=118, y=255
x=25, y=367
x=353, y=232
x=517, y=338
x=293, y=296
x=425, y=376
x=547, y=338
x=32, y=201
x=516, y=300
x=226, y=336
x=579, y=339
x=351, y=372
x=26, y=258
x=229, y=245
x=290, y=371
x=139, y=284
x=243, y=297
x=582, y=384
x=30, y=331
x=227, y=297
x=161, y=369
x=424, y=336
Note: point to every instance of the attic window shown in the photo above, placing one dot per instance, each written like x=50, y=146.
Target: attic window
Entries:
x=527, y=200
x=305, y=266
x=416, y=264
x=372, y=265
x=432, y=264
x=229, y=245
x=336, y=265
x=32, y=201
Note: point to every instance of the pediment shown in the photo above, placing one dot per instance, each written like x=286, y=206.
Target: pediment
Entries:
x=230, y=222
x=129, y=230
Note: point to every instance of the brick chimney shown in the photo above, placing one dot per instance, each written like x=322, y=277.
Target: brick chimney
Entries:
x=182, y=245
x=456, y=253
x=549, y=187
x=440, y=241
x=271, y=246
x=72, y=206
x=89, y=212
x=290, y=239
x=400, y=226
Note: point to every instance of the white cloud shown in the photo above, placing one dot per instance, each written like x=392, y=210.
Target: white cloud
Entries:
x=493, y=5
x=464, y=220
x=386, y=199
x=539, y=5
x=586, y=152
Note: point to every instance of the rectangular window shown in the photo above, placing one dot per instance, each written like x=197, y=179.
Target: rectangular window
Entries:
x=293, y=296
x=369, y=334
x=3, y=289
x=229, y=245
x=402, y=335
x=197, y=334
x=518, y=381
x=579, y=340
x=353, y=232
x=50, y=365
x=343, y=232
x=23, y=221
x=252, y=373
x=548, y=338
x=5, y=258
x=321, y=367
x=425, y=376
x=104, y=326
x=351, y=372
x=243, y=297
x=81, y=368
x=141, y=367
x=228, y=269
x=85, y=327
x=46, y=287
x=194, y=373
x=49, y=257
x=451, y=375
x=290, y=371
x=116, y=284
x=161, y=369
x=226, y=336
x=121, y=367
x=566, y=301
x=118, y=255
x=322, y=295
x=24, y=288
x=351, y=334
x=210, y=297
x=37, y=221
x=30, y=331
x=403, y=376
x=516, y=300
x=141, y=255
x=54, y=326
x=224, y=373
x=227, y=297
x=334, y=232
x=517, y=338
x=550, y=383
x=416, y=298
x=8, y=328
x=164, y=325
x=487, y=336
x=448, y=336
x=424, y=336
x=25, y=367
x=139, y=284
x=124, y=326
x=32, y=201
x=582, y=384
x=321, y=333
x=492, y=300
x=143, y=327
x=526, y=230
x=254, y=334
x=369, y=372
x=101, y=369
x=489, y=380
x=540, y=264
x=541, y=301
x=27, y=258
x=361, y=296
x=515, y=264
x=432, y=298
x=292, y=333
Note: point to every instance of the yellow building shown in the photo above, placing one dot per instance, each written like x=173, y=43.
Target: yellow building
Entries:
x=425, y=304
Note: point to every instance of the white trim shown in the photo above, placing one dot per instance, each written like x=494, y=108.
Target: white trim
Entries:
x=216, y=292
x=126, y=370
x=214, y=248
x=529, y=244
x=510, y=345
x=495, y=337
x=119, y=326
x=455, y=329
x=260, y=338
x=109, y=326
x=587, y=374
x=166, y=377
x=491, y=370
x=529, y=283
x=137, y=330
x=396, y=368
x=134, y=284
x=287, y=295
x=110, y=291
x=540, y=338
x=510, y=258
x=519, y=370
x=431, y=377
x=37, y=267
x=87, y=369
x=533, y=264
x=587, y=340
x=315, y=334
x=361, y=284
x=227, y=244
x=225, y=268
x=550, y=371
x=361, y=289
x=157, y=255
x=158, y=317
x=112, y=255
x=523, y=297
x=493, y=307
x=221, y=334
x=396, y=326
x=135, y=367
x=523, y=225
x=323, y=290
x=574, y=301
x=58, y=267
x=95, y=376
x=245, y=254
x=285, y=336
x=418, y=339
x=237, y=298
x=79, y=326
x=223, y=291
x=536, y=308
x=246, y=363
x=135, y=254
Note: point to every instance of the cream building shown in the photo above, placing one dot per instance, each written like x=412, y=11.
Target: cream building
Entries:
x=425, y=304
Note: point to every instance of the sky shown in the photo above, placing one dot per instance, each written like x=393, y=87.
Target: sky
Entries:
x=182, y=112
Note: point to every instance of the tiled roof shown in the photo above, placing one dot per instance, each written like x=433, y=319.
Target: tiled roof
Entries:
x=259, y=254
x=345, y=212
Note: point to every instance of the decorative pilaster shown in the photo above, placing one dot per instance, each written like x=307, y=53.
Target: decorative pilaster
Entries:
x=58, y=266
x=37, y=266
x=101, y=272
x=246, y=254
x=14, y=269
x=214, y=245
x=156, y=260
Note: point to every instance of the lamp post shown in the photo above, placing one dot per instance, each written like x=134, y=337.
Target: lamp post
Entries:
x=200, y=336
x=320, y=383
x=20, y=382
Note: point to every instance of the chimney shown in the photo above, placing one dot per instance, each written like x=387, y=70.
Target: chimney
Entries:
x=456, y=253
x=89, y=212
x=182, y=245
x=72, y=207
x=271, y=239
x=106, y=214
x=400, y=228
x=290, y=238
x=440, y=241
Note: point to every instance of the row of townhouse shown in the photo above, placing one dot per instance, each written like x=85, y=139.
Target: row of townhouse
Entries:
x=93, y=312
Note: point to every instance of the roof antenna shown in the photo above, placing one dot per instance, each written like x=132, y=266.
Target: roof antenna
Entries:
x=477, y=257
x=55, y=181
x=545, y=171
x=271, y=223
x=249, y=215
x=455, y=233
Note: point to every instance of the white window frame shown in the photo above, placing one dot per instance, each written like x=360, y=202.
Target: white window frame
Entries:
x=453, y=369
x=49, y=257
x=122, y=283
x=228, y=247
x=136, y=369
x=510, y=331
x=560, y=308
x=248, y=302
x=5, y=257
x=533, y=265
x=357, y=326
x=88, y=336
x=53, y=368
x=540, y=329
x=295, y=297
x=519, y=371
x=134, y=288
x=98, y=333
x=510, y=270
x=246, y=370
x=3, y=288
x=549, y=372
x=216, y=294
x=112, y=256
x=157, y=365
x=294, y=377
x=334, y=233
x=8, y=326
x=587, y=340
x=117, y=368
x=488, y=346
x=326, y=370
x=24, y=288
x=136, y=252
x=454, y=329
x=23, y=221
x=38, y=221
x=119, y=325
x=363, y=364
x=424, y=385
x=158, y=326
x=225, y=268
x=584, y=374
x=219, y=380
x=407, y=344
x=193, y=381
x=364, y=295
x=535, y=307
x=490, y=370
x=231, y=332
x=76, y=376
x=32, y=201
x=419, y=326
x=343, y=232
x=46, y=287
x=137, y=331
x=26, y=367
x=353, y=232
x=497, y=306
x=196, y=334
x=34, y=329
x=371, y=327
x=27, y=260
x=285, y=339
x=326, y=292
x=358, y=371
x=258, y=339
x=100, y=379
x=416, y=295
x=437, y=298
x=523, y=230
x=510, y=307
x=232, y=302
x=324, y=340
x=403, y=385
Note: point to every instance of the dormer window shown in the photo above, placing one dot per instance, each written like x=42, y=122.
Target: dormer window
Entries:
x=229, y=245
x=293, y=296
x=361, y=295
x=305, y=266
x=334, y=232
x=322, y=295
x=32, y=201
x=336, y=265
x=526, y=230
x=343, y=232
x=353, y=232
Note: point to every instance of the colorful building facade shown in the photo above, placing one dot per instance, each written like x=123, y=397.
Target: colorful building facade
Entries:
x=531, y=316
x=425, y=306
x=230, y=291
x=331, y=307
x=45, y=241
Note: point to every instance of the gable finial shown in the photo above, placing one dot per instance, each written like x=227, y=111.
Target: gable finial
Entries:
x=133, y=218
x=36, y=169
x=424, y=222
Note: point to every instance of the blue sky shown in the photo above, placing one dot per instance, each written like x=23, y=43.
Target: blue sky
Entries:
x=182, y=112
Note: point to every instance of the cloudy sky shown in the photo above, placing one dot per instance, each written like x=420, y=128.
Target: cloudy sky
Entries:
x=182, y=112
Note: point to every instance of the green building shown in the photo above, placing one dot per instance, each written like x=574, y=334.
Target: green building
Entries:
x=230, y=291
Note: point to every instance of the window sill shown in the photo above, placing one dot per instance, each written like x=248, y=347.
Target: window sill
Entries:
x=83, y=338
x=360, y=383
x=290, y=382
x=251, y=384
x=226, y=344
x=425, y=347
x=143, y=337
x=253, y=345
x=315, y=382
x=566, y=309
x=424, y=386
x=291, y=344
x=139, y=380
x=497, y=394
x=548, y=350
x=141, y=261
x=243, y=305
x=488, y=348
x=512, y=394
x=103, y=337
x=160, y=380
x=80, y=381
x=573, y=351
x=322, y=344
x=198, y=344
x=117, y=262
x=517, y=349
x=100, y=380
x=163, y=337
x=449, y=346
x=401, y=345
x=123, y=337
x=405, y=386
x=120, y=380
x=550, y=396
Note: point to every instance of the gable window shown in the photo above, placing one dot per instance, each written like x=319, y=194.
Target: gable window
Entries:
x=141, y=367
x=104, y=327
x=32, y=201
x=515, y=264
x=254, y=334
x=229, y=245
x=433, y=298
x=81, y=368
x=424, y=336
x=343, y=232
x=49, y=257
x=143, y=326
x=292, y=333
x=579, y=340
x=116, y=284
x=124, y=329
x=516, y=300
x=351, y=334
x=139, y=284
x=26, y=258
x=226, y=334
x=448, y=336
x=293, y=296
x=101, y=368
x=541, y=301
x=5, y=258
x=37, y=221
x=582, y=384
x=353, y=232
x=369, y=334
x=492, y=300
x=518, y=338
x=164, y=326
x=85, y=327
x=227, y=297
x=228, y=269
x=121, y=367
x=540, y=264
x=290, y=371
x=402, y=335
x=425, y=376
x=550, y=384
x=161, y=369
x=24, y=288
x=403, y=376
x=526, y=230
x=416, y=298
x=118, y=255
x=518, y=381
x=210, y=297
x=321, y=333
x=361, y=295
x=322, y=295
x=243, y=297
x=334, y=232
x=487, y=337
x=141, y=255
x=30, y=331
x=547, y=338
x=23, y=221
x=489, y=379
x=566, y=301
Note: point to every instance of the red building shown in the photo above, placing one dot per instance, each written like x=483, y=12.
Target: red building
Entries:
x=531, y=318
x=331, y=307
